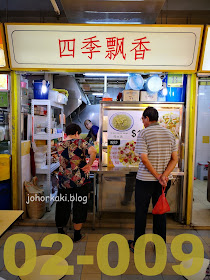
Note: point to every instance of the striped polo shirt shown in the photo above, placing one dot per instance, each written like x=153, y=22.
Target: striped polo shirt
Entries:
x=158, y=143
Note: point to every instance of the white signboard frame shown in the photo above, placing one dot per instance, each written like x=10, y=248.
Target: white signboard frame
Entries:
x=127, y=48
x=3, y=53
x=205, y=55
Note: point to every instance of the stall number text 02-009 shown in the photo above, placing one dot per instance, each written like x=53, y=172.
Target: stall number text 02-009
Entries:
x=52, y=267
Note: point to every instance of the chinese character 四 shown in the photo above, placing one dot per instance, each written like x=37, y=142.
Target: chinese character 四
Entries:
x=67, y=47
x=115, y=46
x=140, y=48
x=91, y=45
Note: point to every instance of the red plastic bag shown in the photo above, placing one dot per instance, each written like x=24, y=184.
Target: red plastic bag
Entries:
x=162, y=205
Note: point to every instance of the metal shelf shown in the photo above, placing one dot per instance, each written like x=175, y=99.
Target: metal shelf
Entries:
x=45, y=136
x=45, y=169
x=43, y=102
x=49, y=168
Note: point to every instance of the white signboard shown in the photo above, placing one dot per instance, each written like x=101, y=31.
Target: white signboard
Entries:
x=205, y=62
x=104, y=47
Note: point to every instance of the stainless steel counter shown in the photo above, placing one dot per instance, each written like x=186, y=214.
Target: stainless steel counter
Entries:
x=125, y=170
x=117, y=171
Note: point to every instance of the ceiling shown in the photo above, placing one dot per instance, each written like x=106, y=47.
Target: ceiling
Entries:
x=106, y=11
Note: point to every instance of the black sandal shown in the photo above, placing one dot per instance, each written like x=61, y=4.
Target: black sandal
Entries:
x=82, y=237
x=130, y=242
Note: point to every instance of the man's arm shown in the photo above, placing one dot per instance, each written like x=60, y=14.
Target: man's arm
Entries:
x=147, y=163
x=87, y=138
x=92, y=152
x=171, y=165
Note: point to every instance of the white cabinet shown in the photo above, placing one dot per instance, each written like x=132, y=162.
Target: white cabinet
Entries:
x=47, y=135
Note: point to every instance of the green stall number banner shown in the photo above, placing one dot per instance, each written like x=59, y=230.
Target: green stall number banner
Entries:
x=175, y=80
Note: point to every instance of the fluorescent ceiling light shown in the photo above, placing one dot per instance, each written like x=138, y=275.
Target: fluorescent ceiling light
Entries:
x=97, y=94
x=96, y=12
x=55, y=7
x=105, y=74
x=112, y=22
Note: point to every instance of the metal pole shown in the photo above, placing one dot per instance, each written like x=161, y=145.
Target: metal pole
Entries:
x=191, y=148
x=105, y=83
x=16, y=142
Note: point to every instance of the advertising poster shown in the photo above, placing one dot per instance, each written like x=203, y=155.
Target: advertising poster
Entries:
x=123, y=128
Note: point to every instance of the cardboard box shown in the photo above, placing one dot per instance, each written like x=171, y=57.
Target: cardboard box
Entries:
x=145, y=96
x=40, y=143
x=130, y=95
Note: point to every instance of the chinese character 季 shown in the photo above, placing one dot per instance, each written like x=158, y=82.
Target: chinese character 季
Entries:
x=140, y=48
x=115, y=46
x=67, y=47
x=91, y=46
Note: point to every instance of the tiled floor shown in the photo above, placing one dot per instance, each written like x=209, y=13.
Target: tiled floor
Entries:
x=201, y=206
x=88, y=246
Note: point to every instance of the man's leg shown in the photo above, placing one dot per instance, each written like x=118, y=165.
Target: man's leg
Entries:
x=159, y=221
x=143, y=194
x=130, y=180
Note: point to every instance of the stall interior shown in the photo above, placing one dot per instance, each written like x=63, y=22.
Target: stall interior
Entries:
x=201, y=191
x=49, y=102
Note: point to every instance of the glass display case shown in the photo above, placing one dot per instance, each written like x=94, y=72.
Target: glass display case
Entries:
x=120, y=123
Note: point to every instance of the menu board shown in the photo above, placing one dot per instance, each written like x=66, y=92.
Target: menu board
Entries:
x=3, y=60
x=123, y=128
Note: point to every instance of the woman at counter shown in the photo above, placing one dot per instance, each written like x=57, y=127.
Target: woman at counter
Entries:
x=73, y=180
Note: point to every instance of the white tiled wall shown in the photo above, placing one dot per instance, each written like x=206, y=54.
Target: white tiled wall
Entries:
x=203, y=125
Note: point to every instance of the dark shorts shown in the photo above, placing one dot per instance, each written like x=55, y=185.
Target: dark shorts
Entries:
x=76, y=196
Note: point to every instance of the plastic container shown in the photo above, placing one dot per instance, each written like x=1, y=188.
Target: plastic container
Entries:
x=135, y=81
x=106, y=97
x=57, y=97
x=177, y=94
x=153, y=84
x=202, y=172
x=41, y=89
x=5, y=195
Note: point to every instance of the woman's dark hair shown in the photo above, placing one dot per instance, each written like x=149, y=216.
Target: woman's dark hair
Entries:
x=151, y=113
x=72, y=128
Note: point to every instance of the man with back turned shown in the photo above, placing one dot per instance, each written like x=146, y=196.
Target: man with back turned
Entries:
x=157, y=148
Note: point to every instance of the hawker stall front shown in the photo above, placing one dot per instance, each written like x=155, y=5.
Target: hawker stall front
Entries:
x=7, y=216
x=158, y=62
x=200, y=196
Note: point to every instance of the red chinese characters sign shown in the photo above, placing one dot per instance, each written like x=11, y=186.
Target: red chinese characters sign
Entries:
x=114, y=47
x=108, y=47
x=67, y=47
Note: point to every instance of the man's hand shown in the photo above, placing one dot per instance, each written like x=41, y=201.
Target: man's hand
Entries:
x=163, y=180
x=86, y=168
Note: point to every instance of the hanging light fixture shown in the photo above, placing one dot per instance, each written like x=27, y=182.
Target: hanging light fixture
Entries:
x=55, y=7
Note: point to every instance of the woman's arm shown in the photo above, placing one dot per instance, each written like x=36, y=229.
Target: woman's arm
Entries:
x=92, y=152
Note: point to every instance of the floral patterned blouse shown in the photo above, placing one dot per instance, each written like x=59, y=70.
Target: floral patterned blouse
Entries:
x=72, y=155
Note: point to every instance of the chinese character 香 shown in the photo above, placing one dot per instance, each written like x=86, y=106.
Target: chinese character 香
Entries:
x=140, y=48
